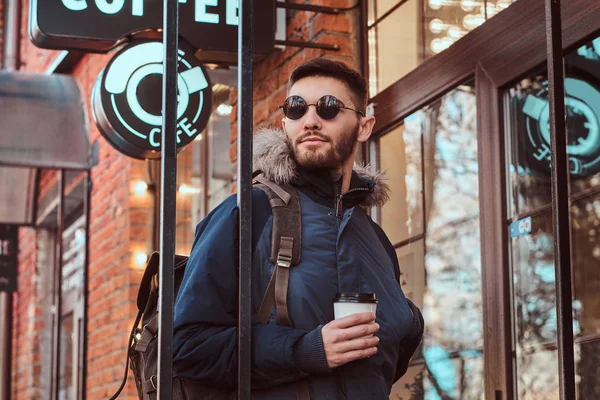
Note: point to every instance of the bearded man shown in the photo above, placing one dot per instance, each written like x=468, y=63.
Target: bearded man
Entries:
x=359, y=356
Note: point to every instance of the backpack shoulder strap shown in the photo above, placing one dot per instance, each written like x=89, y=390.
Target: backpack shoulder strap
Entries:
x=286, y=247
x=286, y=241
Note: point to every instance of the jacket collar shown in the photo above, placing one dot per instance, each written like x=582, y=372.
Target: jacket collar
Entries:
x=273, y=157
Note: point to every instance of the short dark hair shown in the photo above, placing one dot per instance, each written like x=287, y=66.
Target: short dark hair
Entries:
x=323, y=67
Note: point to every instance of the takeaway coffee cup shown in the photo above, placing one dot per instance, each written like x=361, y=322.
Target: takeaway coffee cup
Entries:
x=345, y=304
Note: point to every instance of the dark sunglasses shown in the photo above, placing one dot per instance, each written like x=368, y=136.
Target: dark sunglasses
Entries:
x=328, y=107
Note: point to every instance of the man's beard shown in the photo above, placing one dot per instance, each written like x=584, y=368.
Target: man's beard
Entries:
x=332, y=158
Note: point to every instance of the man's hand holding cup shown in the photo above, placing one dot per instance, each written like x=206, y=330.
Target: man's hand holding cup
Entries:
x=350, y=336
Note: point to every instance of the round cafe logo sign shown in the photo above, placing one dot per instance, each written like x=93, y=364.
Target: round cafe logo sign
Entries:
x=582, y=103
x=127, y=99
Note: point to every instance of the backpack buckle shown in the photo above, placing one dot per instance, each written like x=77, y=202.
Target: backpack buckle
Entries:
x=285, y=253
x=284, y=261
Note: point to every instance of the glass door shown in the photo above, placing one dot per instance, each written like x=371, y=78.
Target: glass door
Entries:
x=529, y=225
x=432, y=219
x=478, y=256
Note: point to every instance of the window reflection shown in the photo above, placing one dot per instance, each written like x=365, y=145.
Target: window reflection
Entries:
x=400, y=155
x=403, y=34
x=66, y=358
x=442, y=378
x=538, y=375
x=529, y=181
x=394, y=46
x=452, y=253
x=431, y=161
x=588, y=369
x=534, y=285
x=585, y=236
x=204, y=168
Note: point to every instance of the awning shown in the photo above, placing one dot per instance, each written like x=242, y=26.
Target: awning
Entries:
x=42, y=125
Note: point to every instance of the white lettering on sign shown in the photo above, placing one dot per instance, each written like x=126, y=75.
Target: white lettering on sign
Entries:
x=137, y=9
x=202, y=16
x=232, y=17
x=184, y=125
x=152, y=137
x=75, y=5
x=110, y=8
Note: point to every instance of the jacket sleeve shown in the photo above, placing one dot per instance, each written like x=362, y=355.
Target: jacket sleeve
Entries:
x=410, y=343
x=205, y=333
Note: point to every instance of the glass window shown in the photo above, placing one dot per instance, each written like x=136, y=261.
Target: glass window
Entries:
x=66, y=390
x=399, y=154
x=433, y=221
x=534, y=285
x=585, y=236
x=403, y=34
x=204, y=169
x=530, y=224
x=394, y=46
x=538, y=375
x=412, y=270
x=378, y=8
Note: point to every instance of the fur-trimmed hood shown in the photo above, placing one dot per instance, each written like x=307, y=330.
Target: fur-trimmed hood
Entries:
x=273, y=157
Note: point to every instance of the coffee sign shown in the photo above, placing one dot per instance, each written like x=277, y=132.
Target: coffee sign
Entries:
x=100, y=25
x=127, y=99
x=9, y=262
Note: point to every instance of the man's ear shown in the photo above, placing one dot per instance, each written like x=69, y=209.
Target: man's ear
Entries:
x=283, y=123
x=366, y=128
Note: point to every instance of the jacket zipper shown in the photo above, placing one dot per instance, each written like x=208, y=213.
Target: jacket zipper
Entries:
x=339, y=209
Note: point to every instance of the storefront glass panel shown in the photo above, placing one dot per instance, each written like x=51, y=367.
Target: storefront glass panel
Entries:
x=67, y=334
x=530, y=225
x=204, y=168
x=395, y=46
x=432, y=168
x=400, y=155
x=404, y=33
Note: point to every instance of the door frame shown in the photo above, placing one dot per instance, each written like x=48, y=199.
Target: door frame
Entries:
x=492, y=54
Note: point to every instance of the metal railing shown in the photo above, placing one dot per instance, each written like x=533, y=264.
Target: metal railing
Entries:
x=168, y=196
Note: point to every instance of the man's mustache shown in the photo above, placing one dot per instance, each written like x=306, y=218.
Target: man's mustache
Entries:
x=315, y=134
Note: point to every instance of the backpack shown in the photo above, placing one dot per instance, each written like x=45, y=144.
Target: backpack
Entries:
x=142, y=354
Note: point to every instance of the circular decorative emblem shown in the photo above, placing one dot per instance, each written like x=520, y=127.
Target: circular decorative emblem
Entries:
x=127, y=99
x=583, y=127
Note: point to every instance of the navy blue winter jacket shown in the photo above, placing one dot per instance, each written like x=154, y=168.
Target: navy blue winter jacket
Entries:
x=343, y=250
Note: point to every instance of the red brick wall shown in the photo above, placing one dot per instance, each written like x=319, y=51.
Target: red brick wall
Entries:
x=119, y=226
x=26, y=322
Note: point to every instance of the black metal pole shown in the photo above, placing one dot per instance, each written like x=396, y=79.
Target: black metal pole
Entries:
x=87, y=201
x=560, y=200
x=60, y=227
x=168, y=199
x=244, y=190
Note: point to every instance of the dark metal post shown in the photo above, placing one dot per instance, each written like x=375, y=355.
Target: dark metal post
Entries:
x=168, y=200
x=87, y=199
x=560, y=200
x=60, y=221
x=244, y=190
